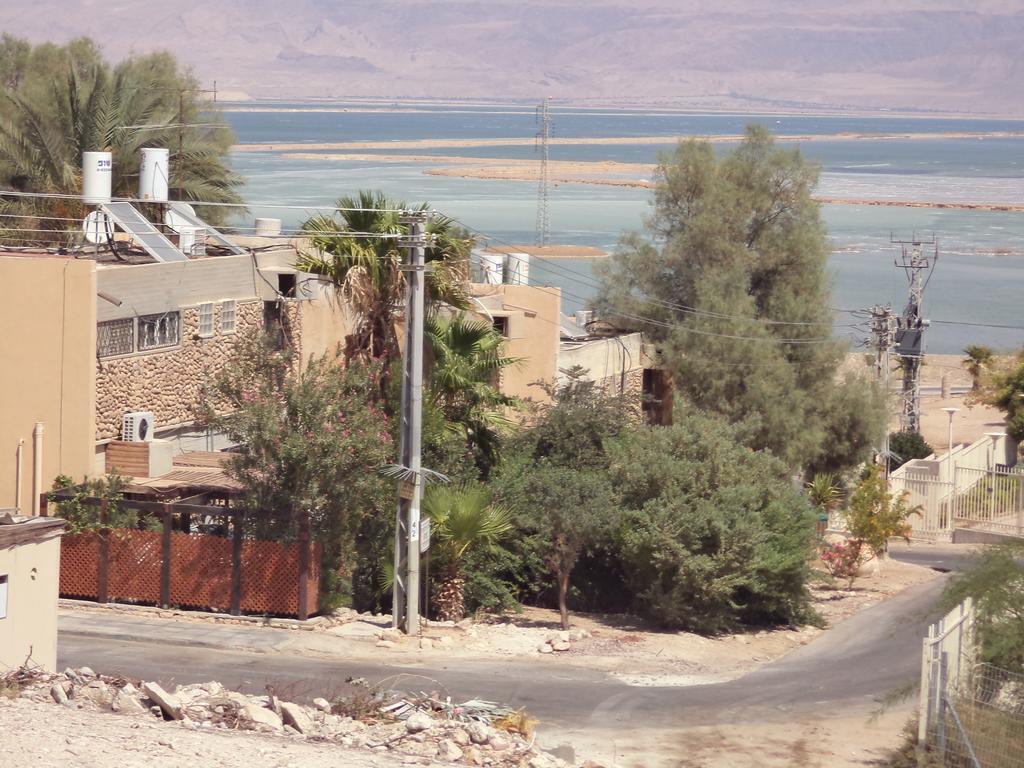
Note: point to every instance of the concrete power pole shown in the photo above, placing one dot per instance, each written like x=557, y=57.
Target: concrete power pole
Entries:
x=881, y=339
x=406, y=593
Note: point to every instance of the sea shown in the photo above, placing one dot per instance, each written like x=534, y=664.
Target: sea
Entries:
x=973, y=295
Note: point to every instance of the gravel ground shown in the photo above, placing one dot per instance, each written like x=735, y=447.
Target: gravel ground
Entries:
x=43, y=735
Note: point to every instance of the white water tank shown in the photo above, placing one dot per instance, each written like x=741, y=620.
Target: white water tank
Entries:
x=97, y=175
x=268, y=227
x=154, y=174
x=517, y=269
x=491, y=267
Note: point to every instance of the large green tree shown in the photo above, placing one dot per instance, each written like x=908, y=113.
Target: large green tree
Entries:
x=60, y=101
x=732, y=286
x=557, y=477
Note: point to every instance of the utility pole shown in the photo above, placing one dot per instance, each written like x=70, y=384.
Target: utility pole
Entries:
x=542, y=143
x=915, y=260
x=882, y=337
x=406, y=593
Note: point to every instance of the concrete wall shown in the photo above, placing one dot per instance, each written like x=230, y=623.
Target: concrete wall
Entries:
x=325, y=322
x=608, y=361
x=534, y=332
x=33, y=572
x=48, y=351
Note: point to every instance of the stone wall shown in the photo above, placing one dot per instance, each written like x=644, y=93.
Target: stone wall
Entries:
x=168, y=381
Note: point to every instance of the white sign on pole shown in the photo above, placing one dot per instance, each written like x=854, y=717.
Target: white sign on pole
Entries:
x=424, y=534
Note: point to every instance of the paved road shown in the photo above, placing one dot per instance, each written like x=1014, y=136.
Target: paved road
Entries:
x=855, y=663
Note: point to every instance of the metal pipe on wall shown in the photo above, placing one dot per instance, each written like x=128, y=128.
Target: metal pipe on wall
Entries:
x=37, y=466
x=17, y=472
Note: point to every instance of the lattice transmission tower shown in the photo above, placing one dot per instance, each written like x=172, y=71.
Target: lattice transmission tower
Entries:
x=542, y=146
x=917, y=257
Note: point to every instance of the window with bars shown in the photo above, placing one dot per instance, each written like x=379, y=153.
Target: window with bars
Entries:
x=115, y=337
x=227, y=316
x=206, y=319
x=162, y=330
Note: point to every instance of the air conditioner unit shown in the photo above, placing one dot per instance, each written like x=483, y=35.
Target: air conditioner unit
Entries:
x=138, y=427
x=192, y=240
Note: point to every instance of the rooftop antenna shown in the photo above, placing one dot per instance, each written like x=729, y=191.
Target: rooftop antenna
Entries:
x=917, y=257
x=541, y=144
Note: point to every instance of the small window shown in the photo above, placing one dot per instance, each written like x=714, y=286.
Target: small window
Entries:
x=227, y=316
x=157, y=331
x=206, y=319
x=114, y=337
x=501, y=326
x=3, y=596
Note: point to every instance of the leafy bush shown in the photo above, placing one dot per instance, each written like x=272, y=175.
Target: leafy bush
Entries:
x=842, y=559
x=875, y=515
x=80, y=517
x=713, y=534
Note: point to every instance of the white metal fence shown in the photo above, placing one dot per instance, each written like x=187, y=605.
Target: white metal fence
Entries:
x=974, y=487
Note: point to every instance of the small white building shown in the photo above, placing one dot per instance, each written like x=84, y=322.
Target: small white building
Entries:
x=29, y=577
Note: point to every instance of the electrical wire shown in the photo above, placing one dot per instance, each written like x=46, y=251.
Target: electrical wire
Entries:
x=206, y=203
x=590, y=282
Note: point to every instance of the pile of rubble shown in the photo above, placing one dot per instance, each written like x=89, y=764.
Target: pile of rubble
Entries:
x=420, y=729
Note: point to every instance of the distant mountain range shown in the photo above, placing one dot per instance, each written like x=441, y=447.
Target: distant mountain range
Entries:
x=811, y=54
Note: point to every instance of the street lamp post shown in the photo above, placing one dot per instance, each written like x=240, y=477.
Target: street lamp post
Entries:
x=949, y=445
x=994, y=437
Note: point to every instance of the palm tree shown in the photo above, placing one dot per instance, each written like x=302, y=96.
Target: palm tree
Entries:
x=88, y=105
x=978, y=358
x=357, y=248
x=462, y=518
x=467, y=361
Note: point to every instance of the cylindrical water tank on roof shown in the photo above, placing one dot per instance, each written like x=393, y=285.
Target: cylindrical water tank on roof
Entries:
x=97, y=172
x=268, y=227
x=491, y=267
x=154, y=173
x=517, y=269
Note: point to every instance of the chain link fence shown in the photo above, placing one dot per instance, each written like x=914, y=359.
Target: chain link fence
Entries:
x=981, y=721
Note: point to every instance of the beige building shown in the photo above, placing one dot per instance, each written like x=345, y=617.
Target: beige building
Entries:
x=550, y=345
x=88, y=340
x=29, y=575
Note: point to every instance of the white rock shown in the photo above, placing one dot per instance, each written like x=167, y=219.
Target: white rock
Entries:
x=322, y=704
x=460, y=737
x=261, y=716
x=58, y=694
x=385, y=644
x=544, y=648
x=167, y=702
x=296, y=717
x=86, y=672
x=419, y=722
x=561, y=645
